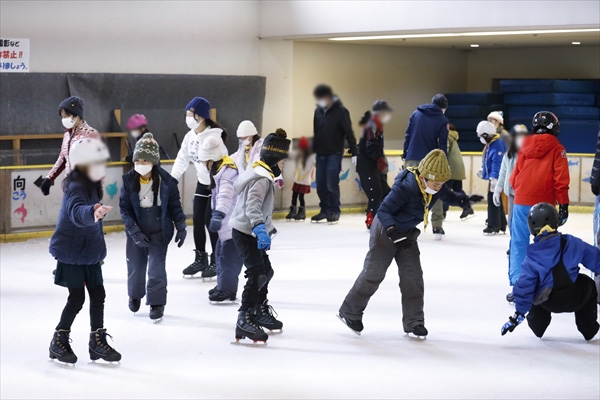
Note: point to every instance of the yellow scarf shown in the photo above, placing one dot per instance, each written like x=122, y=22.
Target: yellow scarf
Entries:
x=265, y=166
x=145, y=182
x=426, y=196
x=227, y=162
x=546, y=228
x=247, y=152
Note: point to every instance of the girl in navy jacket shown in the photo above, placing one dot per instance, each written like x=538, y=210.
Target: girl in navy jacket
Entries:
x=78, y=246
x=150, y=205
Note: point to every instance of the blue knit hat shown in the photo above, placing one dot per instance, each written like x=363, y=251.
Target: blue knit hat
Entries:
x=199, y=106
x=73, y=105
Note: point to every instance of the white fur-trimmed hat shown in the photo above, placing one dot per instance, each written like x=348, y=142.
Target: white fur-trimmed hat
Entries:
x=211, y=149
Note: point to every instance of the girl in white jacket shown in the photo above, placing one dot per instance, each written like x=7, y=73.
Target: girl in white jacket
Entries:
x=197, y=118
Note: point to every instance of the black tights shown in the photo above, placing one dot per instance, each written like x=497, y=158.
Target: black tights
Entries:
x=295, y=197
x=202, y=214
x=75, y=304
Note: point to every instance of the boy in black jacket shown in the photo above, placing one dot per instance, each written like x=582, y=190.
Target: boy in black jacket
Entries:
x=394, y=235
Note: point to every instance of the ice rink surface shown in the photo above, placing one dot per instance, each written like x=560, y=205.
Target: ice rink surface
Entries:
x=189, y=354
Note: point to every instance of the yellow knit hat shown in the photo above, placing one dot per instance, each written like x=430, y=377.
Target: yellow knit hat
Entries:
x=435, y=167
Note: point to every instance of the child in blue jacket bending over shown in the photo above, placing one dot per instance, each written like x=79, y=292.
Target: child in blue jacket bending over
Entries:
x=550, y=281
x=78, y=246
x=150, y=206
x=490, y=171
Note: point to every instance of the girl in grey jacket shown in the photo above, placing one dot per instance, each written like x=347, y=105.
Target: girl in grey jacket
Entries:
x=252, y=227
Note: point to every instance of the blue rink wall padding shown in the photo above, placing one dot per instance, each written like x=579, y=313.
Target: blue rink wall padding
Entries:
x=478, y=98
x=568, y=112
x=598, y=100
x=579, y=136
x=547, y=85
x=471, y=111
x=465, y=124
x=549, y=99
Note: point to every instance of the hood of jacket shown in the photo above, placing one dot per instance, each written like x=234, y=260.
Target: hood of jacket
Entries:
x=249, y=175
x=545, y=249
x=452, y=135
x=430, y=109
x=537, y=146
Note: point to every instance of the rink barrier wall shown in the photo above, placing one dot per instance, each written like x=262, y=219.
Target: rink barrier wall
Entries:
x=26, y=213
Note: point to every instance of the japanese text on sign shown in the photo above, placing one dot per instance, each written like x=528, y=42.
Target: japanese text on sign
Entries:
x=14, y=55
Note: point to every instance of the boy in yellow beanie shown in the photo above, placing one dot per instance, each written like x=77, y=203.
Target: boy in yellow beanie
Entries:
x=394, y=235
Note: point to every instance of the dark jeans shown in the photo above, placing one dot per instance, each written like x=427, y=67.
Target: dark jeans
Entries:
x=455, y=186
x=381, y=253
x=328, y=183
x=202, y=214
x=580, y=299
x=75, y=304
x=375, y=186
x=257, y=263
x=229, y=266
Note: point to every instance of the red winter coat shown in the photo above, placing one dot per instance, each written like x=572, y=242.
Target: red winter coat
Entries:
x=542, y=172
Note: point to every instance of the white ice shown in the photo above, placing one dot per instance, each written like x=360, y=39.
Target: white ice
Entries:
x=189, y=354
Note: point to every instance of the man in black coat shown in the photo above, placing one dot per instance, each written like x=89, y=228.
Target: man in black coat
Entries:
x=595, y=182
x=331, y=126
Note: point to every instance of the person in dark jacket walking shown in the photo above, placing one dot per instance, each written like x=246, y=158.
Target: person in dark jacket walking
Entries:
x=595, y=183
x=550, y=281
x=371, y=164
x=331, y=126
x=428, y=130
x=394, y=235
x=79, y=248
x=150, y=206
x=137, y=125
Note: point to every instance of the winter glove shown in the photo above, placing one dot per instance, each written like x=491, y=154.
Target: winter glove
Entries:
x=563, y=214
x=402, y=240
x=45, y=186
x=180, y=237
x=216, y=220
x=466, y=200
x=262, y=236
x=512, y=323
x=480, y=174
x=498, y=196
x=493, y=183
x=354, y=158
x=279, y=182
x=596, y=190
x=382, y=164
x=140, y=239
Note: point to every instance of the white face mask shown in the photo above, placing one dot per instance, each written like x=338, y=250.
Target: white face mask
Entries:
x=322, y=103
x=135, y=133
x=246, y=142
x=192, y=123
x=519, y=140
x=386, y=118
x=143, y=169
x=96, y=172
x=482, y=140
x=68, y=122
x=430, y=190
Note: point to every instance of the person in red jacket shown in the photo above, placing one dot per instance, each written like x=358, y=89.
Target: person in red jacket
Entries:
x=540, y=175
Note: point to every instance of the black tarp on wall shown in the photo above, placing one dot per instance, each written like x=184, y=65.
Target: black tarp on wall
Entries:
x=29, y=102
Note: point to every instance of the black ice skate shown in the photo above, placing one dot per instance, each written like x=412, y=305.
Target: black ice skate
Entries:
x=419, y=331
x=355, y=325
x=265, y=318
x=292, y=214
x=60, y=348
x=466, y=214
x=100, y=349
x=199, y=264
x=490, y=231
x=333, y=218
x=221, y=297
x=157, y=313
x=438, y=233
x=319, y=217
x=301, y=215
x=246, y=327
x=134, y=305
x=209, y=273
x=211, y=291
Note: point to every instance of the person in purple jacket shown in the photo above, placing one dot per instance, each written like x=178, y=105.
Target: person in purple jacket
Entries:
x=223, y=174
x=550, y=281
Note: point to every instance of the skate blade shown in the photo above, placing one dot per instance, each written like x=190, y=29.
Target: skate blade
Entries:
x=209, y=279
x=275, y=332
x=438, y=237
x=346, y=325
x=192, y=276
x=105, y=364
x=157, y=321
x=256, y=343
x=332, y=223
x=411, y=335
x=467, y=217
x=62, y=364
x=224, y=302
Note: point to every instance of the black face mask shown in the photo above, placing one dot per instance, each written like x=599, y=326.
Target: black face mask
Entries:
x=276, y=170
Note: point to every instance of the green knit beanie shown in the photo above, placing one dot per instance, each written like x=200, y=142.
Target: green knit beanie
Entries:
x=434, y=166
x=147, y=149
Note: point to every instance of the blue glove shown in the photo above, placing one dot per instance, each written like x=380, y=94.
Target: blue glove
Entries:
x=140, y=239
x=512, y=323
x=216, y=221
x=262, y=236
x=180, y=237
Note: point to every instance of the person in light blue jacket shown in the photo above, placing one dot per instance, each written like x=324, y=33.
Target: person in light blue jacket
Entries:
x=517, y=135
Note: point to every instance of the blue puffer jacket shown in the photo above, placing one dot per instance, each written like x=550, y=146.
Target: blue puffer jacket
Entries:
x=170, y=202
x=536, y=280
x=77, y=238
x=492, y=159
x=403, y=207
x=427, y=130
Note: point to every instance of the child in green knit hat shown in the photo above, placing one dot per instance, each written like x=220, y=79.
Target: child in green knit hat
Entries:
x=151, y=211
x=394, y=235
